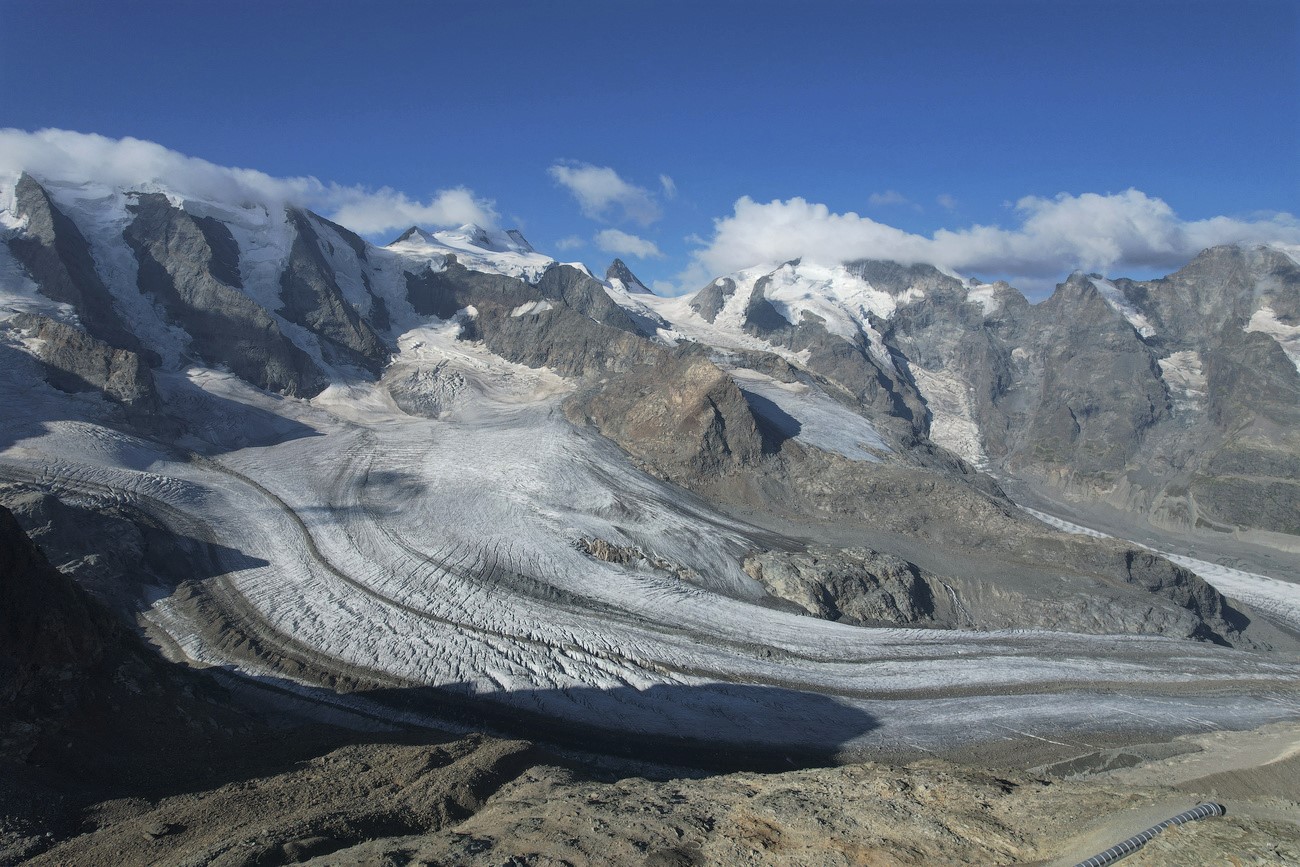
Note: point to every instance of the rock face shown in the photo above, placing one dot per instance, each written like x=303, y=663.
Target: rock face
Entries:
x=682, y=416
x=191, y=266
x=855, y=585
x=870, y=588
x=1175, y=398
x=619, y=271
x=58, y=258
x=583, y=294
x=312, y=298
x=1100, y=389
x=708, y=302
x=76, y=361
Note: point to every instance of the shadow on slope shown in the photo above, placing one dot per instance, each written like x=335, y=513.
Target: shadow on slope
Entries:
x=184, y=409
x=775, y=425
x=711, y=726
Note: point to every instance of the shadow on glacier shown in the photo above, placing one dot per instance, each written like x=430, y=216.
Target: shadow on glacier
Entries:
x=215, y=423
x=721, y=727
x=774, y=424
x=222, y=424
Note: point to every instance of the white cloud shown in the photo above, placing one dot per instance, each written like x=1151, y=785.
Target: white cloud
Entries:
x=61, y=155
x=670, y=187
x=603, y=195
x=947, y=202
x=888, y=197
x=623, y=244
x=1128, y=230
x=368, y=212
x=572, y=242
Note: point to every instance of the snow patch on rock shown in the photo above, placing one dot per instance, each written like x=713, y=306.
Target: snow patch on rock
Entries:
x=1183, y=374
x=843, y=301
x=1265, y=320
x=822, y=421
x=1115, y=298
x=986, y=296
x=952, y=418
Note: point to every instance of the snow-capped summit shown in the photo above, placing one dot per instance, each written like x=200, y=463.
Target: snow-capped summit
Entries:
x=501, y=252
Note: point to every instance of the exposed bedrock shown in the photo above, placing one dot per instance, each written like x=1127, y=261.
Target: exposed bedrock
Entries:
x=312, y=298
x=585, y=295
x=1173, y=398
x=869, y=588
x=708, y=302
x=1006, y=568
x=673, y=410
x=75, y=361
x=191, y=266
x=444, y=291
x=683, y=417
x=114, y=550
x=618, y=270
x=1101, y=388
x=855, y=585
x=58, y=258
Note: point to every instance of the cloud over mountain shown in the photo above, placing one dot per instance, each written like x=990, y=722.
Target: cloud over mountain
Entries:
x=1051, y=237
x=64, y=156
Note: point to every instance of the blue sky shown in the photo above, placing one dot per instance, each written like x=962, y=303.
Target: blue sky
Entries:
x=916, y=116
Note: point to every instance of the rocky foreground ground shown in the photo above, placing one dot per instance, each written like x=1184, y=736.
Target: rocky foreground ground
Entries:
x=318, y=795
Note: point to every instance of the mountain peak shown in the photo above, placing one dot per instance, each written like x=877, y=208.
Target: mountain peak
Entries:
x=415, y=233
x=619, y=271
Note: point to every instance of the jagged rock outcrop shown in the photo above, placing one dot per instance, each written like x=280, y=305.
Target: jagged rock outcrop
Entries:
x=191, y=266
x=1100, y=389
x=441, y=292
x=855, y=585
x=681, y=416
x=1173, y=397
x=709, y=301
x=75, y=361
x=57, y=256
x=585, y=295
